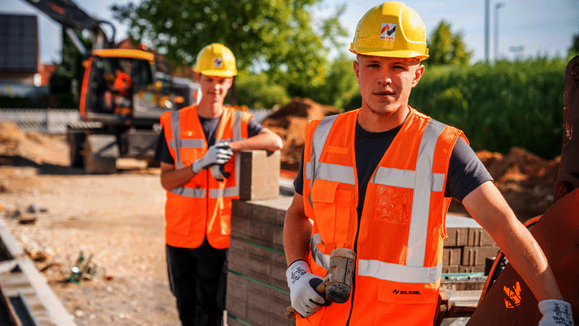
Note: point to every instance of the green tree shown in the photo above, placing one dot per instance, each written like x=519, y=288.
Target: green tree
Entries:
x=67, y=78
x=277, y=37
x=257, y=91
x=340, y=84
x=574, y=49
x=446, y=47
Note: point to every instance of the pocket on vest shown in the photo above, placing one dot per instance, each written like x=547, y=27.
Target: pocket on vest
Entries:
x=393, y=204
x=331, y=209
x=178, y=218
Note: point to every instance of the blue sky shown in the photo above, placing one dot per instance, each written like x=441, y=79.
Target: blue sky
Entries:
x=539, y=26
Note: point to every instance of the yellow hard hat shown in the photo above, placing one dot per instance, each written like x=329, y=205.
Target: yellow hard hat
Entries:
x=216, y=60
x=391, y=29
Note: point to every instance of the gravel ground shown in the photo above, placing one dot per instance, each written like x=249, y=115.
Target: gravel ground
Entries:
x=117, y=220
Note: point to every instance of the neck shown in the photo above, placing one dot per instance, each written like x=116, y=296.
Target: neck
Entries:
x=209, y=109
x=379, y=122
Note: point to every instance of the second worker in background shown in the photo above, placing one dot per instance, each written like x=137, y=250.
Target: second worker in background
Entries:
x=198, y=170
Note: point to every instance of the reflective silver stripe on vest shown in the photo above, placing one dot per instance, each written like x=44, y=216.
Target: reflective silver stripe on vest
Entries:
x=192, y=143
x=225, y=192
x=175, y=143
x=333, y=172
x=404, y=178
x=189, y=192
x=319, y=257
x=418, y=233
x=318, y=141
x=399, y=273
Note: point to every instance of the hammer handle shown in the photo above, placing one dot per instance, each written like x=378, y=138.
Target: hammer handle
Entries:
x=290, y=312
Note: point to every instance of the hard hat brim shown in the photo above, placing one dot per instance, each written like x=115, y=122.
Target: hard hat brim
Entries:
x=393, y=54
x=219, y=73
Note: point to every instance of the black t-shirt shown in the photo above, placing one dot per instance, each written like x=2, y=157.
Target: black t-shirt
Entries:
x=209, y=126
x=465, y=172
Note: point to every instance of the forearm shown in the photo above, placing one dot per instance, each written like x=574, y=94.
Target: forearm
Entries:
x=491, y=211
x=296, y=232
x=528, y=259
x=266, y=140
x=172, y=178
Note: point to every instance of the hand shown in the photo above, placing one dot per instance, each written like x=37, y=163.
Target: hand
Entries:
x=305, y=300
x=555, y=313
x=216, y=154
x=218, y=172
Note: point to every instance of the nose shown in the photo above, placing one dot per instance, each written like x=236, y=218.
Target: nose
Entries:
x=384, y=77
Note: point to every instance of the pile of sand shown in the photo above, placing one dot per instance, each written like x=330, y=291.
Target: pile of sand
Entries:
x=35, y=147
x=525, y=179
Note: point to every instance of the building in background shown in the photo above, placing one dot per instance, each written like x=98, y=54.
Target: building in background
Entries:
x=21, y=74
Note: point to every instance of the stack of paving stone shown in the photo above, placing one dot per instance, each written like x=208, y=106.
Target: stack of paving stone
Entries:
x=467, y=248
x=257, y=291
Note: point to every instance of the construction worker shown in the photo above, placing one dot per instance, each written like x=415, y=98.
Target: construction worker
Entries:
x=122, y=82
x=379, y=180
x=198, y=170
x=119, y=90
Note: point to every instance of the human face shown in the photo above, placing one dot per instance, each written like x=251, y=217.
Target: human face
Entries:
x=214, y=88
x=385, y=83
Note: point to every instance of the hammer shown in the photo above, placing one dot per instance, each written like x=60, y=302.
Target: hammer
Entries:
x=337, y=284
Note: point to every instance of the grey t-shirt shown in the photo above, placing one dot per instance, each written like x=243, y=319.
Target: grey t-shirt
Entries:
x=465, y=172
x=209, y=126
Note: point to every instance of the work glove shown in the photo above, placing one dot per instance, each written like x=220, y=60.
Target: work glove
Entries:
x=216, y=154
x=218, y=172
x=305, y=300
x=555, y=313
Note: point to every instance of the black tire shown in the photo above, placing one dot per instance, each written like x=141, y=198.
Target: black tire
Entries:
x=76, y=144
x=153, y=164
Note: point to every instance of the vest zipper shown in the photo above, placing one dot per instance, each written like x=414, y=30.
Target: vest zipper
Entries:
x=359, y=211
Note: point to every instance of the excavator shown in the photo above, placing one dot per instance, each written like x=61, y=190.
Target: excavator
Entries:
x=123, y=93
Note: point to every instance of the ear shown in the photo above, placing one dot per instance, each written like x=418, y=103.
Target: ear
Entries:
x=229, y=81
x=417, y=75
x=357, y=69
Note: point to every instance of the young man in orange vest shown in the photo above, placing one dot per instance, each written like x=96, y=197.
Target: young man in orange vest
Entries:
x=200, y=173
x=379, y=180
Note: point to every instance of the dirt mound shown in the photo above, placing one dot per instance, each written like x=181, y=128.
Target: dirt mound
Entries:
x=525, y=179
x=289, y=123
x=33, y=146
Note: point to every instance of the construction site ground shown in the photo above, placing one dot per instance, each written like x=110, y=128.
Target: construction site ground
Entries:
x=117, y=220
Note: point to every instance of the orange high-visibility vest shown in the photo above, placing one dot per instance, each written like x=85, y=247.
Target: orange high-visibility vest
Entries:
x=202, y=206
x=399, y=237
x=122, y=83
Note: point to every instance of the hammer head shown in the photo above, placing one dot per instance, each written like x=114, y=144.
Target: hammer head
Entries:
x=340, y=275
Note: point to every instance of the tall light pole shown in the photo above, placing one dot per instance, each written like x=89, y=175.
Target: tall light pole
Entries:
x=498, y=6
x=487, y=14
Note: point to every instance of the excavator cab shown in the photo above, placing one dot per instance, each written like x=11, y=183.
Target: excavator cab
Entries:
x=121, y=85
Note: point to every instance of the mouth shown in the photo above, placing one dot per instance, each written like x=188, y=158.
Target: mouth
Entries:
x=384, y=93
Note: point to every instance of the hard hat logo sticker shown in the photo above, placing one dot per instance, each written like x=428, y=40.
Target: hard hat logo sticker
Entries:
x=217, y=63
x=513, y=295
x=388, y=32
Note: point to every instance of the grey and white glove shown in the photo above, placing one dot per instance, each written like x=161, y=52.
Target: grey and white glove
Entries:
x=301, y=281
x=216, y=154
x=555, y=313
